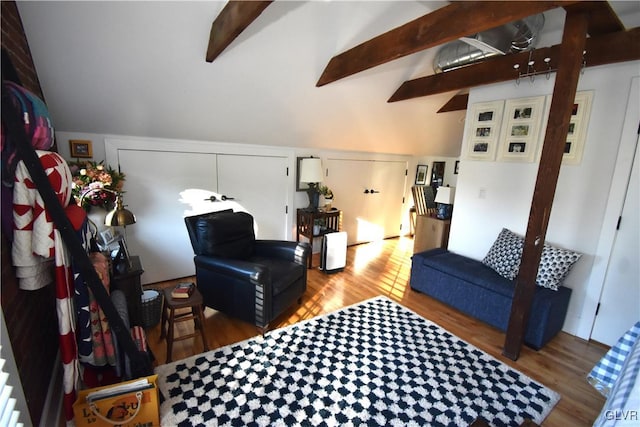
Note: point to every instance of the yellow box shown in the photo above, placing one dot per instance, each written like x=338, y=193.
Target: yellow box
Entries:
x=136, y=408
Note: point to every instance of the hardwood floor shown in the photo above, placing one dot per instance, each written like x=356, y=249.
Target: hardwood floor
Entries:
x=383, y=269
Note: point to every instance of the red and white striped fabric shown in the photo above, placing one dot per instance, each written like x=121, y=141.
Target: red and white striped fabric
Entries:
x=37, y=245
x=33, y=240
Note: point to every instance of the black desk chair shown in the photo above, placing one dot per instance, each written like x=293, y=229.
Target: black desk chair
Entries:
x=249, y=279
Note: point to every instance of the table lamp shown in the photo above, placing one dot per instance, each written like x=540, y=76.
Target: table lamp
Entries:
x=444, y=201
x=119, y=216
x=311, y=173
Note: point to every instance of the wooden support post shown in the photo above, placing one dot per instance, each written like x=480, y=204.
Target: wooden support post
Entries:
x=564, y=92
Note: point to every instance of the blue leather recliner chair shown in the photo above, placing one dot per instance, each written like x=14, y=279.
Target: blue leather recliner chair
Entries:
x=252, y=280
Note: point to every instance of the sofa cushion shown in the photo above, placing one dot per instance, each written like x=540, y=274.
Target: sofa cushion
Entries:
x=505, y=253
x=555, y=264
x=471, y=271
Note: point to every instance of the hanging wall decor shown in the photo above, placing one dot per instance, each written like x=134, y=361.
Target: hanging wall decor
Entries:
x=521, y=129
x=483, y=130
x=81, y=148
x=421, y=175
x=578, y=128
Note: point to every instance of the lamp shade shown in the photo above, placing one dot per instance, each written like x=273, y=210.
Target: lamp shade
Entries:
x=445, y=195
x=311, y=170
x=119, y=216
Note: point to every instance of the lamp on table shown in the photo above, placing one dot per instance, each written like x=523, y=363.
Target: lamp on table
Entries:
x=444, y=200
x=311, y=173
x=117, y=217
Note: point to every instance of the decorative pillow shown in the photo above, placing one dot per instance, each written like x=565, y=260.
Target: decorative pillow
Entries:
x=505, y=253
x=555, y=264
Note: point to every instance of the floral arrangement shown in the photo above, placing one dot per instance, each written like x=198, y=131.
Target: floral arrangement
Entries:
x=326, y=192
x=89, y=176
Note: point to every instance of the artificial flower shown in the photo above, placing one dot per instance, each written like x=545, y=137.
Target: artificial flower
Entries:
x=89, y=177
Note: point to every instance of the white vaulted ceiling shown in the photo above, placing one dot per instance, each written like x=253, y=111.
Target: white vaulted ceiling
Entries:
x=138, y=68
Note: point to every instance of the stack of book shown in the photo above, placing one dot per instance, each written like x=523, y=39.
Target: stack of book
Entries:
x=183, y=290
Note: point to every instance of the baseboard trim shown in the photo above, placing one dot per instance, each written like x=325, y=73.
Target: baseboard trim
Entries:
x=52, y=409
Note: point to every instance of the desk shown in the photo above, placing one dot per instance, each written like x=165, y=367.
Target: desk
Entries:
x=305, y=220
x=129, y=283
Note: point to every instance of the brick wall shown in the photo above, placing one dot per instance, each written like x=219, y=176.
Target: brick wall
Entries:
x=15, y=44
x=30, y=316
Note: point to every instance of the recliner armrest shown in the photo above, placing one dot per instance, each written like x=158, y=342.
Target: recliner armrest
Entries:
x=240, y=269
x=297, y=252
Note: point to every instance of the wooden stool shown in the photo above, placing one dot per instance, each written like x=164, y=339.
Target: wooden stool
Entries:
x=169, y=315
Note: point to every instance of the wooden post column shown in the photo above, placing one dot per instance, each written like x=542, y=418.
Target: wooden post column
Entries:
x=564, y=92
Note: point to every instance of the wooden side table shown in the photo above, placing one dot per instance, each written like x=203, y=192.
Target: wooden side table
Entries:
x=169, y=315
x=430, y=233
x=129, y=283
x=305, y=220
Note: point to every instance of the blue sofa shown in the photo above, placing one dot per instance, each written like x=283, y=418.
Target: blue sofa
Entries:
x=477, y=290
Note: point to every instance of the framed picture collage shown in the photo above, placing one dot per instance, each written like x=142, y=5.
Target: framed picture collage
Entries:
x=511, y=130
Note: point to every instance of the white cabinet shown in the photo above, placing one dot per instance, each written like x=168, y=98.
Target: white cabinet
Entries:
x=370, y=194
x=167, y=181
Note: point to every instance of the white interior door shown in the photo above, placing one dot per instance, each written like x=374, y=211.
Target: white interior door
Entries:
x=367, y=216
x=388, y=178
x=620, y=300
x=348, y=179
x=162, y=187
x=258, y=185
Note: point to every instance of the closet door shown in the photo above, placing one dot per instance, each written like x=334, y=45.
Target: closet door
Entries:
x=349, y=179
x=385, y=203
x=162, y=187
x=258, y=185
x=620, y=299
x=369, y=193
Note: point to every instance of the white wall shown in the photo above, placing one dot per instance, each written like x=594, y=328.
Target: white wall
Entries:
x=491, y=195
x=450, y=178
x=139, y=69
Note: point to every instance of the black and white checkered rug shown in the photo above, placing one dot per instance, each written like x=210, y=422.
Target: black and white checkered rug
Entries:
x=373, y=363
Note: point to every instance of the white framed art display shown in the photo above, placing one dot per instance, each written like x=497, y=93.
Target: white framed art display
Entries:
x=578, y=123
x=483, y=130
x=520, y=133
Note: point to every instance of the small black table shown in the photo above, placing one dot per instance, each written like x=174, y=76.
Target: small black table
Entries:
x=129, y=283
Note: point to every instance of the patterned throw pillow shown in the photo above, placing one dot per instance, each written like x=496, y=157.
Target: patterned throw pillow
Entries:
x=555, y=264
x=505, y=253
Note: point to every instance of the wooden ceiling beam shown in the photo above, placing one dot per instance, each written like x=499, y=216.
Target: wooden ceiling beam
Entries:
x=602, y=18
x=606, y=49
x=431, y=30
x=232, y=20
x=457, y=103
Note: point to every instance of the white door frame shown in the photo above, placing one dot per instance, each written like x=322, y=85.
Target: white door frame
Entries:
x=615, y=203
